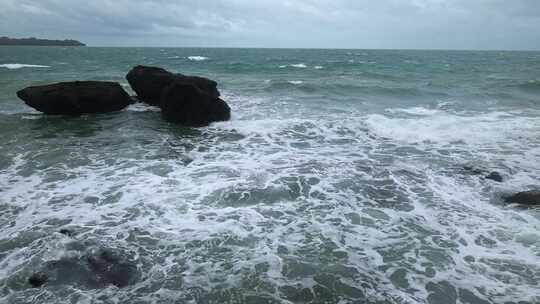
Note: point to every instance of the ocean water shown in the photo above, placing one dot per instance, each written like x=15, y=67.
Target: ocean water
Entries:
x=341, y=178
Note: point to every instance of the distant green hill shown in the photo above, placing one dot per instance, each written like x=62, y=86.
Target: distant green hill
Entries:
x=41, y=42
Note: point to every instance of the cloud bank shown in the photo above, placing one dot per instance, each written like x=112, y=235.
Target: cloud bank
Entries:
x=420, y=24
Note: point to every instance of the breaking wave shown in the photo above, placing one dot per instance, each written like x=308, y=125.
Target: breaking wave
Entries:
x=16, y=66
x=197, y=58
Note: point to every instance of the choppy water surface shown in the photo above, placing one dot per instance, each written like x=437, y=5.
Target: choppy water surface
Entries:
x=340, y=179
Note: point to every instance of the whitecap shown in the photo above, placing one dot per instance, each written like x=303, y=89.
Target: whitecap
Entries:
x=436, y=126
x=419, y=111
x=141, y=107
x=197, y=58
x=318, y=67
x=295, y=82
x=299, y=65
x=31, y=117
x=15, y=66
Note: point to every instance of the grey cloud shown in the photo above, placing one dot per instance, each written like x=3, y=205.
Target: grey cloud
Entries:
x=281, y=23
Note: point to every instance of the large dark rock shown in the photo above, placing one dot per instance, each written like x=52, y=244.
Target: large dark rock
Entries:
x=75, y=98
x=150, y=82
x=188, y=105
x=527, y=198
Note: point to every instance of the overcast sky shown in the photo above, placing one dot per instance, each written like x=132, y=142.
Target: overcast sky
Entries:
x=419, y=24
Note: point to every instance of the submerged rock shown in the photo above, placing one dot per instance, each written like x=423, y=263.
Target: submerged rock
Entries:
x=495, y=176
x=95, y=269
x=38, y=279
x=66, y=232
x=75, y=98
x=188, y=105
x=110, y=268
x=527, y=198
x=150, y=82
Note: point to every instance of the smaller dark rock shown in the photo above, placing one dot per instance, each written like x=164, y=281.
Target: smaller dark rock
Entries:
x=495, y=176
x=66, y=232
x=38, y=279
x=527, y=198
x=188, y=105
x=473, y=170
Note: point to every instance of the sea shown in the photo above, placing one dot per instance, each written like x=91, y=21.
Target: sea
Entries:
x=344, y=176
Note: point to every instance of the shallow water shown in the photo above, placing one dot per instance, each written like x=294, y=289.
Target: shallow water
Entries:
x=340, y=179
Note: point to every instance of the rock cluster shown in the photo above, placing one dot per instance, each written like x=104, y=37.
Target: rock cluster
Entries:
x=186, y=100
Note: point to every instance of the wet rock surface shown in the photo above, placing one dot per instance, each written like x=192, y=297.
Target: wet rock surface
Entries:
x=150, y=82
x=188, y=105
x=495, y=176
x=526, y=198
x=75, y=98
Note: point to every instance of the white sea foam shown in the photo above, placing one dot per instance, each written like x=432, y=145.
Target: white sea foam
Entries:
x=318, y=67
x=32, y=117
x=443, y=127
x=296, y=82
x=141, y=107
x=197, y=58
x=279, y=183
x=16, y=66
x=296, y=65
x=421, y=111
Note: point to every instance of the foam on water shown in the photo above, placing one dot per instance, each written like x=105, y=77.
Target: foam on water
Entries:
x=278, y=187
x=497, y=128
x=16, y=66
x=296, y=82
x=141, y=107
x=294, y=197
x=296, y=65
x=197, y=58
x=421, y=111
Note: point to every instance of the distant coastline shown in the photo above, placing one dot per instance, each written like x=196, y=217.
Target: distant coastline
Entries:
x=39, y=42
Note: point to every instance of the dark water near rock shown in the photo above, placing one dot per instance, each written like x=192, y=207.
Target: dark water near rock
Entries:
x=340, y=179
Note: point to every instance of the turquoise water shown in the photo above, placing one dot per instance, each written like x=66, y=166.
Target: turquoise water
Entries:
x=340, y=179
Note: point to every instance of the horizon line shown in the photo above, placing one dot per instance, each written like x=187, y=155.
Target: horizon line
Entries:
x=291, y=48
